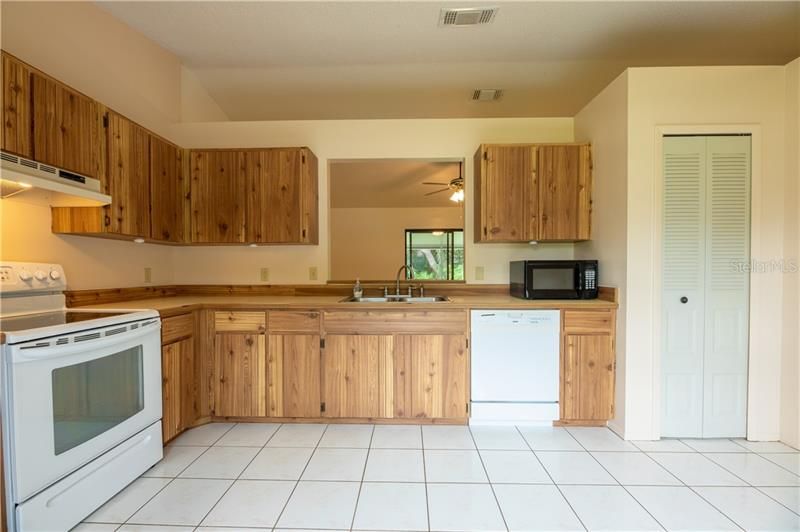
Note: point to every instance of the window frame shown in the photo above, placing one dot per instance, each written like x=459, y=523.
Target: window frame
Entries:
x=450, y=234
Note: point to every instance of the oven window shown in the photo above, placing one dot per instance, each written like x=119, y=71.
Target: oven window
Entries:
x=95, y=396
x=553, y=278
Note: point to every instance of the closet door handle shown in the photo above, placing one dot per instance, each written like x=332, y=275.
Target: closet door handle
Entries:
x=684, y=300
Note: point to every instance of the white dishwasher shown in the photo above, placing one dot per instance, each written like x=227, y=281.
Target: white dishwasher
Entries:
x=515, y=366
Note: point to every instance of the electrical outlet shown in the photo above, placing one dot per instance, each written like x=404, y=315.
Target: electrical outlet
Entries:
x=312, y=273
x=264, y=274
x=148, y=275
x=479, y=273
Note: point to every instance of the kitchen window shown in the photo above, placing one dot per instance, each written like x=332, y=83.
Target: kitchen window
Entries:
x=435, y=254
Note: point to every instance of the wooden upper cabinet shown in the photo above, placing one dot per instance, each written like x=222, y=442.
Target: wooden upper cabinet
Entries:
x=504, y=178
x=64, y=127
x=564, y=192
x=281, y=196
x=128, y=148
x=169, y=192
x=532, y=192
x=218, y=196
x=16, y=136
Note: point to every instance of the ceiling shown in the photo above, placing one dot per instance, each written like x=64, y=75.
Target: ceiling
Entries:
x=390, y=183
x=334, y=60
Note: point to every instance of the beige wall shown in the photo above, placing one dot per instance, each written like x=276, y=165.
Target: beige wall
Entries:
x=604, y=123
x=196, y=104
x=704, y=99
x=88, y=262
x=361, y=139
x=790, y=370
x=369, y=243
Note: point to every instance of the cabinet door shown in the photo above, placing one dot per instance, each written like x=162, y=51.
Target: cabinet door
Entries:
x=358, y=372
x=564, y=192
x=189, y=391
x=218, y=196
x=273, y=196
x=588, y=377
x=168, y=192
x=431, y=376
x=64, y=127
x=129, y=176
x=171, y=355
x=16, y=136
x=507, y=194
x=294, y=375
x=240, y=371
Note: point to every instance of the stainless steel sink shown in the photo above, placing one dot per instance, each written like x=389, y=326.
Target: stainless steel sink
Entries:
x=396, y=299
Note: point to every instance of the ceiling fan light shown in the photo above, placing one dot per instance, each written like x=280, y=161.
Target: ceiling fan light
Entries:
x=458, y=196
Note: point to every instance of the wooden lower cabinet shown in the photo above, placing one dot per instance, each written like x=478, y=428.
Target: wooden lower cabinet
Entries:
x=431, y=376
x=171, y=388
x=294, y=375
x=358, y=376
x=240, y=374
x=587, y=380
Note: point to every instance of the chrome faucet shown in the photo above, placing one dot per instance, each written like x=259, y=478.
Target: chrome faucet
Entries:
x=409, y=272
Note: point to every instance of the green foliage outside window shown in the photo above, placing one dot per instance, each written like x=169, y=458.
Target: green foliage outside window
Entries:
x=436, y=254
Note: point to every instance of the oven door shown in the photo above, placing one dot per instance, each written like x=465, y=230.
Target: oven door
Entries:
x=78, y=397
x=552, y=280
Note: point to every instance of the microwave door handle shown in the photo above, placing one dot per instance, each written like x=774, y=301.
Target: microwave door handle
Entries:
x=56, y=351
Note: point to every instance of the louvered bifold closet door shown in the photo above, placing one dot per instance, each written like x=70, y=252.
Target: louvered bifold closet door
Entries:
x=683, y=286
x=706, y=243
x=727, y=286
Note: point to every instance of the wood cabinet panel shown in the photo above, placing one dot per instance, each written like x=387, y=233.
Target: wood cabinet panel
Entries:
x=240, y=375
x=17, y=124
x=588, y=321
x=293, y=321
x=353, y=384
x=64, y=126
x=294, y=370
x=218, y=196
x=273, y=196
x=177, y=327
x=563, y=192
x=431, y=376
x=240, y=321
x=587, y=378
x=171, y=357
x=169, y=192
x=505, y=180
x=392, y=321
x=128, y=176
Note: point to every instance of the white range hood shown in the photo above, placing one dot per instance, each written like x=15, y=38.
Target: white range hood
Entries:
x=41, y=183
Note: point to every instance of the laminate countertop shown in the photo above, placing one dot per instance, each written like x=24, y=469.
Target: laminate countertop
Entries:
x=174, y=305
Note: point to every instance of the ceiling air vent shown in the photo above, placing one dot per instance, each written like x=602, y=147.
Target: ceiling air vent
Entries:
x=487, y=95
x=469, y=16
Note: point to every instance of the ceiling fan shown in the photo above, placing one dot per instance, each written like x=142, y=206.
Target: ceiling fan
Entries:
x=456, y=185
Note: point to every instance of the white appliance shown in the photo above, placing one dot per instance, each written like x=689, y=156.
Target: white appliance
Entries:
x=42, y=182
x=515, y=366
x=81, y=401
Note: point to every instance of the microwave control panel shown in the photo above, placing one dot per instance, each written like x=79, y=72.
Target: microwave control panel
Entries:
x=590, y=278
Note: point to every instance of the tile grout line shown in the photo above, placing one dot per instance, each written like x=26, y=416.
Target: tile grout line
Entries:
x=363, y=474
x=297, y=483
x=238, y=476
x=615, y=478
x=172, y=479
x=425, y=476
x=488, y=480
x=527, y=443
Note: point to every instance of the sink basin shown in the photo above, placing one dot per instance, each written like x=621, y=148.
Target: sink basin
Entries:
x=395, y=299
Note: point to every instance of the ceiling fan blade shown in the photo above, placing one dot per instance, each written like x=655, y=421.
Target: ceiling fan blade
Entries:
x=441, y=184
x=437, y=192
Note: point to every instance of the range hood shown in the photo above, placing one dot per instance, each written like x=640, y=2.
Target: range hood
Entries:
x=41, y=183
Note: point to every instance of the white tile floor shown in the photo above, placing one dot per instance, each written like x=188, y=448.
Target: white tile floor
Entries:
x=226, y=477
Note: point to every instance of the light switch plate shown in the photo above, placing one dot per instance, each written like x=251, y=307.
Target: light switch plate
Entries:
x=264, y=274
x=312, y=273
x=148, y=275
x=479, y=273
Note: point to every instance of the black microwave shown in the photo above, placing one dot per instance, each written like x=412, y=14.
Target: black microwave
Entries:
x=554, y=279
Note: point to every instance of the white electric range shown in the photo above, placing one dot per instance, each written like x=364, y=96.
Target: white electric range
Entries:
x=81, y=399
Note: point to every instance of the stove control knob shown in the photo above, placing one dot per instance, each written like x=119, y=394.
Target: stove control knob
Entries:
x=40, y=275
x=55, y=275
x=25, y=275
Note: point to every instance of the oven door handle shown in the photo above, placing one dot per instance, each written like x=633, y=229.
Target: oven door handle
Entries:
x=32, y=352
